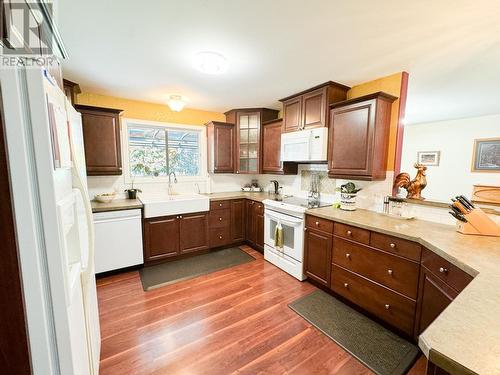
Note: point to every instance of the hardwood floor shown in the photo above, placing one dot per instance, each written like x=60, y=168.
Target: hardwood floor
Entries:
x=232, y=321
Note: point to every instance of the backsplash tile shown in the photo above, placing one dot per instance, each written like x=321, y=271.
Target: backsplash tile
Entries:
x=326, y=185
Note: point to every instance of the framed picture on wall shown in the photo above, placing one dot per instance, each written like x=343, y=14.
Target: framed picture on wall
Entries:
x=429, y=158
x=486, y=155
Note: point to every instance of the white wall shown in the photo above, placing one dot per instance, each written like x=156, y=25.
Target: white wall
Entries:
x=455, y=140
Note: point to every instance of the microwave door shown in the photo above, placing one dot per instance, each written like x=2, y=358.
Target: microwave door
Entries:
x=296, y=147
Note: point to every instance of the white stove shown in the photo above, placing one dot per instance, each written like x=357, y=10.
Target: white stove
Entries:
x=288, y=215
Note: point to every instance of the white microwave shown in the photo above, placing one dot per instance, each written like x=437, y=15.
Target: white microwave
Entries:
x=310, y=145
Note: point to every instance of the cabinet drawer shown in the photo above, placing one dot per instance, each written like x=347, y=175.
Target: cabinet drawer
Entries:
x=389, y=270
x=219, y=205
x=314, y=222
x=450, y=274
x=389, y=306
x=352, y=233
x=219, y=218
x=405, y=248
x=219, y=237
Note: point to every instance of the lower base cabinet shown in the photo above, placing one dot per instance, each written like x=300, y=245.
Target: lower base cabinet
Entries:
x=394, y=280
x=228, y=222
x=255, y=224
x=171, y=236
x=317, y=259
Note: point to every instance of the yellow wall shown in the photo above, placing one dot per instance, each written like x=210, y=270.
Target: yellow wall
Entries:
x=150, y=111
x=391, y=85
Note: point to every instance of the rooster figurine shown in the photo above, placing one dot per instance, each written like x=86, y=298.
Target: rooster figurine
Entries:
x=415, y=186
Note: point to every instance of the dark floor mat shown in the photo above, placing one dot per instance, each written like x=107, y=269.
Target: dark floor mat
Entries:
x=376, y=347
x=171, y=272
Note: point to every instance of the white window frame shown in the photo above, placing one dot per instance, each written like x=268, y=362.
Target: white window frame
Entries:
x=167, y=125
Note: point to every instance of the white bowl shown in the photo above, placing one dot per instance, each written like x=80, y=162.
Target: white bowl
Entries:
x=105, y=198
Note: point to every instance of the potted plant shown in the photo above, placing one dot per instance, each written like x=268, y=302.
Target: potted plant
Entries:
x=132, y=192
x=348, y=194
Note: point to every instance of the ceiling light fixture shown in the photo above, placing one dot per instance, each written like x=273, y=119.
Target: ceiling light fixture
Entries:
x=176, y=102
x=210, y=62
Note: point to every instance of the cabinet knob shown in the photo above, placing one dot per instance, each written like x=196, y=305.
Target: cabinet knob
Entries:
x=349, y=233
x=220, y=204
x=220, y=237
x=393, y=245
x=348, y=256
x=387, y=306
x=346, y=285
x=237, y=171
x=389, y=272
x=220, y=219
x=317, y=223
x=180, y=216
x=443, y=270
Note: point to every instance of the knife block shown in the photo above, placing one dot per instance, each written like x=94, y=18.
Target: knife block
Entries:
x=478, y=223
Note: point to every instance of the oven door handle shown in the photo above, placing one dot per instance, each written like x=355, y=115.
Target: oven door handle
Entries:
x=290, y=222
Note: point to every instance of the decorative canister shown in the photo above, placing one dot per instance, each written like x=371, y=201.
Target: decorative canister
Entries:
x=348, y=201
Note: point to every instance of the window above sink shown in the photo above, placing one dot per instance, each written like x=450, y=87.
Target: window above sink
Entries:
x=154, y=149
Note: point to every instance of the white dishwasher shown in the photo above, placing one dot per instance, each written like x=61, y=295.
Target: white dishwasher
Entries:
x=118, y=239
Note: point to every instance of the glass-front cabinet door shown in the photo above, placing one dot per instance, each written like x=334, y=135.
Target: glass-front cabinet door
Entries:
x=248, y=142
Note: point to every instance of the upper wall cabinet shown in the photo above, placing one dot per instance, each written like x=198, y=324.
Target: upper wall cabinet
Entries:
x=248, y=128
x=220, y=147
x=71, y=90
x=309, y=108
x=101, y=137
x=358, y=137
x=271, y=150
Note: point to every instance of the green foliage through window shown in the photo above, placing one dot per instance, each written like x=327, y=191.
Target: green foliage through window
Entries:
x=157, y=151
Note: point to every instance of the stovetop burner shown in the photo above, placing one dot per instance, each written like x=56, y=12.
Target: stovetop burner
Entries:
x=295, y=203
x=302, y=202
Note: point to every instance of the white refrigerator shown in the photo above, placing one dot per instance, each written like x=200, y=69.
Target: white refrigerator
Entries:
x=53, y=223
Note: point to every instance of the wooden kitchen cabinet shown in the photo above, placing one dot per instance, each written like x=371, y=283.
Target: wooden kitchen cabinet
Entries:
x=161, y=238
x=259, y=226
x=238, y=220
x=166, y=238
x=250, y=223
x=318, y=248
x=440, y=284
x=310, y=108
x=220, y=147
x=193, y=232
x=358, y=137
x=255, y=224
x=271, y=150
x=101, y=137
x=248, y=144
x=71, y=90
x=318, y=242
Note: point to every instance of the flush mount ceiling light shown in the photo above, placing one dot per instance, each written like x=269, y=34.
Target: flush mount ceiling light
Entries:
x=176, y=102
x=210, y=62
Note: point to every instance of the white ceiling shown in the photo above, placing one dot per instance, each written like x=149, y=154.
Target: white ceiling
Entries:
x=143, y=50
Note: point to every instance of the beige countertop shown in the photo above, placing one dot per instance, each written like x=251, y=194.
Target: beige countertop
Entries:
x=468, y=331
x=256, y=196
x=116, y=205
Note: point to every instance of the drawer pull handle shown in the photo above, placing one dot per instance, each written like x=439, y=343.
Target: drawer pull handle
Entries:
x=220, y=237
x=349, y=233
x=389, y=272
x=317, y=223
x=393, y=245
x=220, y=219
x=443, y=270
x=346, y=285
x=387, y=306
x=348, y=256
